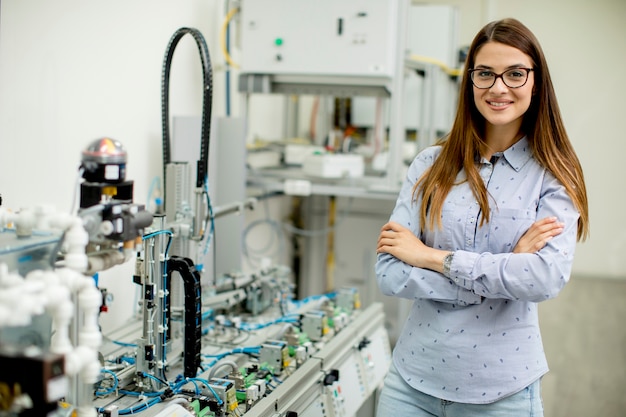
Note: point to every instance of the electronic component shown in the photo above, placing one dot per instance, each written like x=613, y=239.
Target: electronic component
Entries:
x=109, y=216
x=275, y=354
x=315, y=324
x=104, y=171
x=225, y=391
x=31, y=384
x=348, y=299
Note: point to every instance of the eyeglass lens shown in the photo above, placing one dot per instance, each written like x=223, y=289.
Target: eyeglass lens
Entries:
x=513, y=78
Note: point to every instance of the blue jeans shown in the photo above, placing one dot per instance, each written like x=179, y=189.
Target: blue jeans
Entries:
x=400, y=399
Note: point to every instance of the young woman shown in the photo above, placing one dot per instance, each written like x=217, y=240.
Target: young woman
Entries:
x=484, y=228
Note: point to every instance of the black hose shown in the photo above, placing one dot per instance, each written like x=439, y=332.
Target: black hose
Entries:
x=202, y=164
x=193, y=311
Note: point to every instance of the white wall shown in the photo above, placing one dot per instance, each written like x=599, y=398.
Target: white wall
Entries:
x=584, y=42
x=72, y=71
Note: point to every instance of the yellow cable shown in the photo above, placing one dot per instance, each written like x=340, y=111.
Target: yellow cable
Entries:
x=450, y=71
x=330, y=245
x=227, y=20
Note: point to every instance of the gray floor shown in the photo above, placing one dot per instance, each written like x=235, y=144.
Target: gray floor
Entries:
x=584, y=333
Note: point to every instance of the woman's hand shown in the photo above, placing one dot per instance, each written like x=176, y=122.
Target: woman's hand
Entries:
x=538, y=235
x=400, y=242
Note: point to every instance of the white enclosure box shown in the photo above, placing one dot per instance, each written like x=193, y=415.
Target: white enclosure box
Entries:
x=321, y=37
x=295, y=154
x=432, y=35
x=334, y=166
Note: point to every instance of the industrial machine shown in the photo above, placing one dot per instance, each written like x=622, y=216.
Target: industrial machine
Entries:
x=242, y=346
x=226, y=345
x=49, y=332
x=262, y=353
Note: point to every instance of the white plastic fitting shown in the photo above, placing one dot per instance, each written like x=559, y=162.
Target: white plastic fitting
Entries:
x=25, y=222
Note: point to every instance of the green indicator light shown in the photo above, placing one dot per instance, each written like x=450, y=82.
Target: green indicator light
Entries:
x=278, y=41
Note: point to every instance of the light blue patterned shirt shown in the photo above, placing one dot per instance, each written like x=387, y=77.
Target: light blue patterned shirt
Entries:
x=475, y=338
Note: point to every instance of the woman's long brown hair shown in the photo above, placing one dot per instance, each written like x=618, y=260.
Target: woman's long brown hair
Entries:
x=542, y=125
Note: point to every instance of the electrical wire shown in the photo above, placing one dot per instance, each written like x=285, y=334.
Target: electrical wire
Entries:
x=311, y=298
x=313, y=119
x=454, y=72
x=251, y=350
x=255, y=255
x=223, y=36
x=227, y=72
x=210, y=218
x=256, y=326
x=124, y=343
x=275, y=238
x=219, y=365
x=154, y=397
x=330, y=244
x=110, y=390
x=206, y=383
x=154, y=378
x=154, y=184
x=140, y=407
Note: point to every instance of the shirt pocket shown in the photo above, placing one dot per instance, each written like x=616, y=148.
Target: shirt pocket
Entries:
x=507, y=226
x=457, y=226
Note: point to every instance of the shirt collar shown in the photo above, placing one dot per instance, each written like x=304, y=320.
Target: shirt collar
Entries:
x=518, y=154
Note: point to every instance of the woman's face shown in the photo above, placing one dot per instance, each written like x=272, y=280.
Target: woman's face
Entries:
x=500, y=105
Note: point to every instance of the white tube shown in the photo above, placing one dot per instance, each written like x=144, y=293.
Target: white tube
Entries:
x=6, y=217
x=5, y=315
x=78, y=358
x=9, y=279
x=72, y=279
x=62, y=316
x=89, y=302
x=23, y=299
x=76, y=239
x=62, y=312
x=25, y=223
x=43, y=214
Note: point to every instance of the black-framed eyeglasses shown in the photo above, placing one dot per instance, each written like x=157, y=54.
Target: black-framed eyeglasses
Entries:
x=513, y=78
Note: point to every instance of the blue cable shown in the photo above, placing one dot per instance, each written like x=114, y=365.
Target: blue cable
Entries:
x=139, y=407
x=184, y=381
x=124, y=344
x=113, y=388
x=164, y=278
x=257, y=326
x=211, y=217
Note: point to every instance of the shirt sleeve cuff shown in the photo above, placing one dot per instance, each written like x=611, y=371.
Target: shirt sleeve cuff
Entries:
x=468, y=297
x=461, y=269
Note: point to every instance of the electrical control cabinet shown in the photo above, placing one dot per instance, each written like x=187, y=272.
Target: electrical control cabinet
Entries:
x=432, y=36
x=322, y=37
